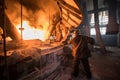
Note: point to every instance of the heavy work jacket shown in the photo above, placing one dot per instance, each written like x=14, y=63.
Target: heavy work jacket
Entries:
x=80, y=46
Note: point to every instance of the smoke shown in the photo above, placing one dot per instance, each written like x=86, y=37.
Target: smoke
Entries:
x=37, y=12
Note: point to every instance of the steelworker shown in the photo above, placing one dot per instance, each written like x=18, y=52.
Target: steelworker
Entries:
x=80, y=52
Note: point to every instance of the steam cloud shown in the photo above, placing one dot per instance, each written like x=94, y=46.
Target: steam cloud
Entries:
x=35, y=11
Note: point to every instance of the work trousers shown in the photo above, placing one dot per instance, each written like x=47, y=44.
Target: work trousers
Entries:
x=85, y=64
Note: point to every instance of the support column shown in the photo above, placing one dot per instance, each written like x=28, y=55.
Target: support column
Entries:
x=98, y=35
x=118, y=37
x=85, y=21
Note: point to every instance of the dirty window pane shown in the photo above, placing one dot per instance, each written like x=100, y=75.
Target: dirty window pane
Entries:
x=101, y=4
x=89, y=5
x=91, y=18
x=103, y=18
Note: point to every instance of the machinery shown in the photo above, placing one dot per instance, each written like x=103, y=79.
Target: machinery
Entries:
x=34, y=59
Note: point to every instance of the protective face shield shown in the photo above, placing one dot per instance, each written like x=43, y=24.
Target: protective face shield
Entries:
x=73, y=35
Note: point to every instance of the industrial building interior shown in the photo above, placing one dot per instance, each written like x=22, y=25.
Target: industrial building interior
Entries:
x=32, y=31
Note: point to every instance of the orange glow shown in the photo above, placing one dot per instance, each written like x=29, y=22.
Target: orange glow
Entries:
x=39, y=20
x=31, y=32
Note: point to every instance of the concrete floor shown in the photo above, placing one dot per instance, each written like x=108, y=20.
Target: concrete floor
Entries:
x=106, y=67
x=103, y=67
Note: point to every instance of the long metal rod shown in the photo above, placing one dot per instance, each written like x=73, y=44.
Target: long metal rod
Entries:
x=4, y=38
x=21, y=23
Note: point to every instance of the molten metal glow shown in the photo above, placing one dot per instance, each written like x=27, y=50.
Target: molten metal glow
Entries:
x=31, y=32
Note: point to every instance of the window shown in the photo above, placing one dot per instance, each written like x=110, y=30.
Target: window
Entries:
x=101, y=4
x=103, y=18
x=102, y=31
x=92, y=22
x=89, y=5
x=92, y=31
x=103, y=21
